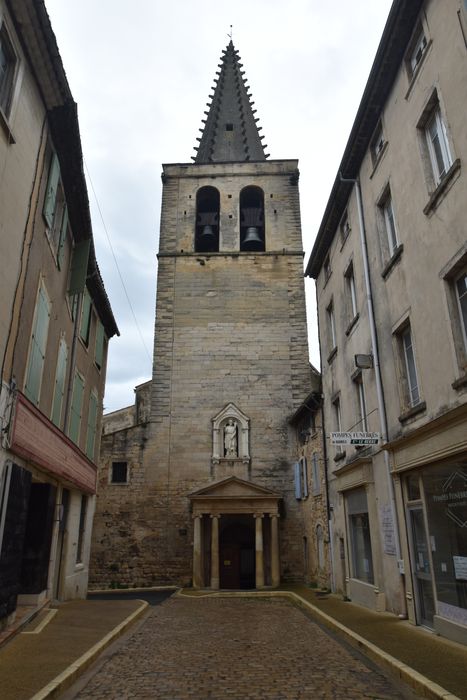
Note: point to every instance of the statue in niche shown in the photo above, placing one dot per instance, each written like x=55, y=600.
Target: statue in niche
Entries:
x=230, y=439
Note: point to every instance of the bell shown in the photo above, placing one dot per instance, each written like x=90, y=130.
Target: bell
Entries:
x=207, y=234
x=252, y=240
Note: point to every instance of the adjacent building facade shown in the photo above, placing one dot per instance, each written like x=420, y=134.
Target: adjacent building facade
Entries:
x=390, y=263
x=55, y=322
x=202, y=488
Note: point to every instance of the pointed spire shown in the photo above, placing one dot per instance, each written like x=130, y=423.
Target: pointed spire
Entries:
x=230, y=131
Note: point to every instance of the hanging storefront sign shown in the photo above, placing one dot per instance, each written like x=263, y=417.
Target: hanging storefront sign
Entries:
x=356, y=438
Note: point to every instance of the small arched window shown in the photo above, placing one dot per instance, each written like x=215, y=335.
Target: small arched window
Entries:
x=207, y=220
x=252, y=219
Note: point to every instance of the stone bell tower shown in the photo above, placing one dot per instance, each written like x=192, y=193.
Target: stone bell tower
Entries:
x=210, y=492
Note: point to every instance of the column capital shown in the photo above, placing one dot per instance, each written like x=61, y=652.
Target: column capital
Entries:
x=214, y=515
x=274, y=515
x=197, y=515
x=258, y=515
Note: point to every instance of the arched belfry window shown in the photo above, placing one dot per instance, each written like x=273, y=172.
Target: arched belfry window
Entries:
x=207, y=220
x=252, y=219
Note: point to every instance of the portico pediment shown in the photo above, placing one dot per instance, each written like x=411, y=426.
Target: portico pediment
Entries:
x=234, y=495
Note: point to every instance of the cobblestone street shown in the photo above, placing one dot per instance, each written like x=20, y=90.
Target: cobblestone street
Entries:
x=237, y=649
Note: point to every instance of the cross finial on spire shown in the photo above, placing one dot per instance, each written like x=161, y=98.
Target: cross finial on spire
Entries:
x=231, y=33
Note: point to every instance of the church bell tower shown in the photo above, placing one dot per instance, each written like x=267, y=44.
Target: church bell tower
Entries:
x=215, y=502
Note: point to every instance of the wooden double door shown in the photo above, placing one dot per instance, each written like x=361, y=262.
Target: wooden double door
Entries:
x=237, y=553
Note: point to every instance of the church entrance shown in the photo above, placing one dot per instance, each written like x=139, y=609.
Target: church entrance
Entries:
x=237, y=552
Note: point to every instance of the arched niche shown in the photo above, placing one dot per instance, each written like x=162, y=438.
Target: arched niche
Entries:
x=230, y=435
x=252, y=234
x=207, y=220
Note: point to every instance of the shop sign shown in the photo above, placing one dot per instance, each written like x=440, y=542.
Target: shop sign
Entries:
x=460, y=568
x=454, y=496
x=356, y=438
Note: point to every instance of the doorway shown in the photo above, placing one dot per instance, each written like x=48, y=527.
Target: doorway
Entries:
x=237, y=552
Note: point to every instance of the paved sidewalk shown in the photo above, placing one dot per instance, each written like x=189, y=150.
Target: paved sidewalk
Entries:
x=36, y=656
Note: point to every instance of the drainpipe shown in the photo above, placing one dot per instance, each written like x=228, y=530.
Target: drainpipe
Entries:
x=379, y=382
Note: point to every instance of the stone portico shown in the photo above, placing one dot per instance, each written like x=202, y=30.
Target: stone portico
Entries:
x=236, y=535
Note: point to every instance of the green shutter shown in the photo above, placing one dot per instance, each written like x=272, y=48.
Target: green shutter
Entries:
x=38, y=347
x=79, y=267
x=62, y=239
x=92, y=419
x=51, y=192
x=99, y=344
x=75, y=412
x=60, y=376
x=85, y=317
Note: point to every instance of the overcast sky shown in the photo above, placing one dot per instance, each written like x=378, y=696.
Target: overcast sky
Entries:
x=141, y=73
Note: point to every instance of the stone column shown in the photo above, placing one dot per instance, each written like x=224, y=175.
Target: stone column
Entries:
x=259, y=550
x=197, y=559
x=275, y=568
x=215, y=551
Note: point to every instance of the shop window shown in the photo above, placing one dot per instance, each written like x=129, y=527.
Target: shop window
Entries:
x=445, y=490
x=359, y=535
x=252, y=234
x=207, y=220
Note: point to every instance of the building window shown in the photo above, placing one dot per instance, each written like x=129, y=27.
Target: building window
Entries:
x=327, y=268
x=320, y=546
x=316, y=474
x=455, y=278
x=337, y=422
x=351, y=294
x=361, y=403
x=344, y=228
x=207, y=220
x=416, y=52
x=8, y=63
x=252, y=234
x=332, y=343
x=438, y=146
x=461, y=299
x=387, y=212
x=60, y=379
x=76, y=408
x=301, y=479
x=92, y=425
x=119, y=473
x=410, y=385
x=377, y=144
x=81, y=529
x=55, y=209
x=37, y=349
x=359, y=535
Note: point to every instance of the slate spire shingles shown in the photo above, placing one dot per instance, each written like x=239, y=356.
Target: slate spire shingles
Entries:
x=230, y=131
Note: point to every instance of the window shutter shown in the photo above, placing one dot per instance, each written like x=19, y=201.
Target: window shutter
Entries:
x=298, y=487
x=316, y=476
x=60, y=376
x=99, y=344
x=75, y=413
x=92, y=418
x=79, y=267
x=51, y=192
x=38, y=347
x=304, y=470
x=62, y=239
x=85, y=317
